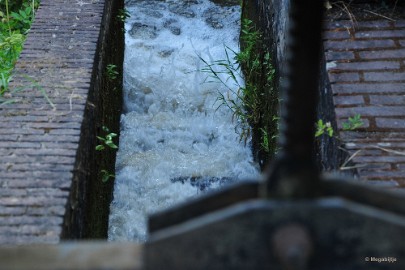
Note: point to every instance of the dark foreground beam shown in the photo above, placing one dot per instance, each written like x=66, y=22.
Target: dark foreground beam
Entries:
x=72, y=256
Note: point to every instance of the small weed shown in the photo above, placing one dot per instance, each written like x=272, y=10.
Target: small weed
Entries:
x=23, y=18
x=4, y=81
x=106, y=175
x=323, y=128
x=123, y=14
x=353, y=123
x=265, y=141
x=112, y=72
x=107, y=140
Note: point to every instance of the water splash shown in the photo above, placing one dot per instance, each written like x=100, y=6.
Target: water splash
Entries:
x=172, y=132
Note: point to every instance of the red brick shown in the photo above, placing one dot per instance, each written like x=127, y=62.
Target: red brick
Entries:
x=336, y=34
x=390, y=123
x=371, y=88
x=379, y=159
x=15, y=174
x=380, y=34
x=21, y=131
x=62, y=183
x=48, y=138
x=31, y=201
x=400, y=166
x=46, y=159
x=371, y=111
x=29, y=229
x=397, y=54
x=46, y=211
x=387, y=99
x=59, y=145
x=348, y=100
x=22, y=220
x=53, y=125
x=359, y=44
x=49, y=238
x=12, y=192
x=9, y=138
x=11, y=210
x=400, y=23
x=385, y=65
x=386, y=183
x=36, y=167
x=344, y=77
x=341, y=55
x=384, y=76
x=345, y=24
x=375, y=167
x=34, y=145
x=380, y=24
x=45, y=152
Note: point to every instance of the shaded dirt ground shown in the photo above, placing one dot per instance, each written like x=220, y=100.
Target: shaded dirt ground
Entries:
x=365, y=10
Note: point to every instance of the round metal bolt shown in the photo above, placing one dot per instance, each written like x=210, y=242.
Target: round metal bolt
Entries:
x=292, y=245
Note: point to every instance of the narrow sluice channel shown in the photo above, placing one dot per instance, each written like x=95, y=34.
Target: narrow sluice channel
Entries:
x=175, y=142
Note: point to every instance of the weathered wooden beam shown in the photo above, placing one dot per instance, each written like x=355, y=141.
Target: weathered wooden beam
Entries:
x=73, y=256
x=205, y=204
x=330, y=233
x=388, y=200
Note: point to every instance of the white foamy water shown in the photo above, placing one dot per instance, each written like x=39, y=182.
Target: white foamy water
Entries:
x=171, y=128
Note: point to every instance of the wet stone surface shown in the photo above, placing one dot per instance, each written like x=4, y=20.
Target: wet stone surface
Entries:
x=183, y=9
x=143, y=31
x=152, y=13
x=154, y=9
x=226, y=2
x=173, y=25
x=204, y=183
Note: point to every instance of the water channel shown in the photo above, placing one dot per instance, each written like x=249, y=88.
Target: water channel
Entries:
x=175, y=142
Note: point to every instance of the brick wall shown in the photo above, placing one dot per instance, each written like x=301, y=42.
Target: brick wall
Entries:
x=366, y=70
x=48, y=166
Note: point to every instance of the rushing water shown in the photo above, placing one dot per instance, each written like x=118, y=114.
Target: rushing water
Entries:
x=174, y=142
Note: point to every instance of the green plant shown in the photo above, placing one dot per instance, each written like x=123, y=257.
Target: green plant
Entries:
x=353, y=123
x=105, y=176
x=253, y=104
x=23, y=18
x=112, y=72
x=123, y=14
x=107, y=140
x=323, y=128
x=265, y=141
x=4, y=81
x=16, y=18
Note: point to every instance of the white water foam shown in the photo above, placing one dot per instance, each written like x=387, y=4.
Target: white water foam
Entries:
x=171, y=128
